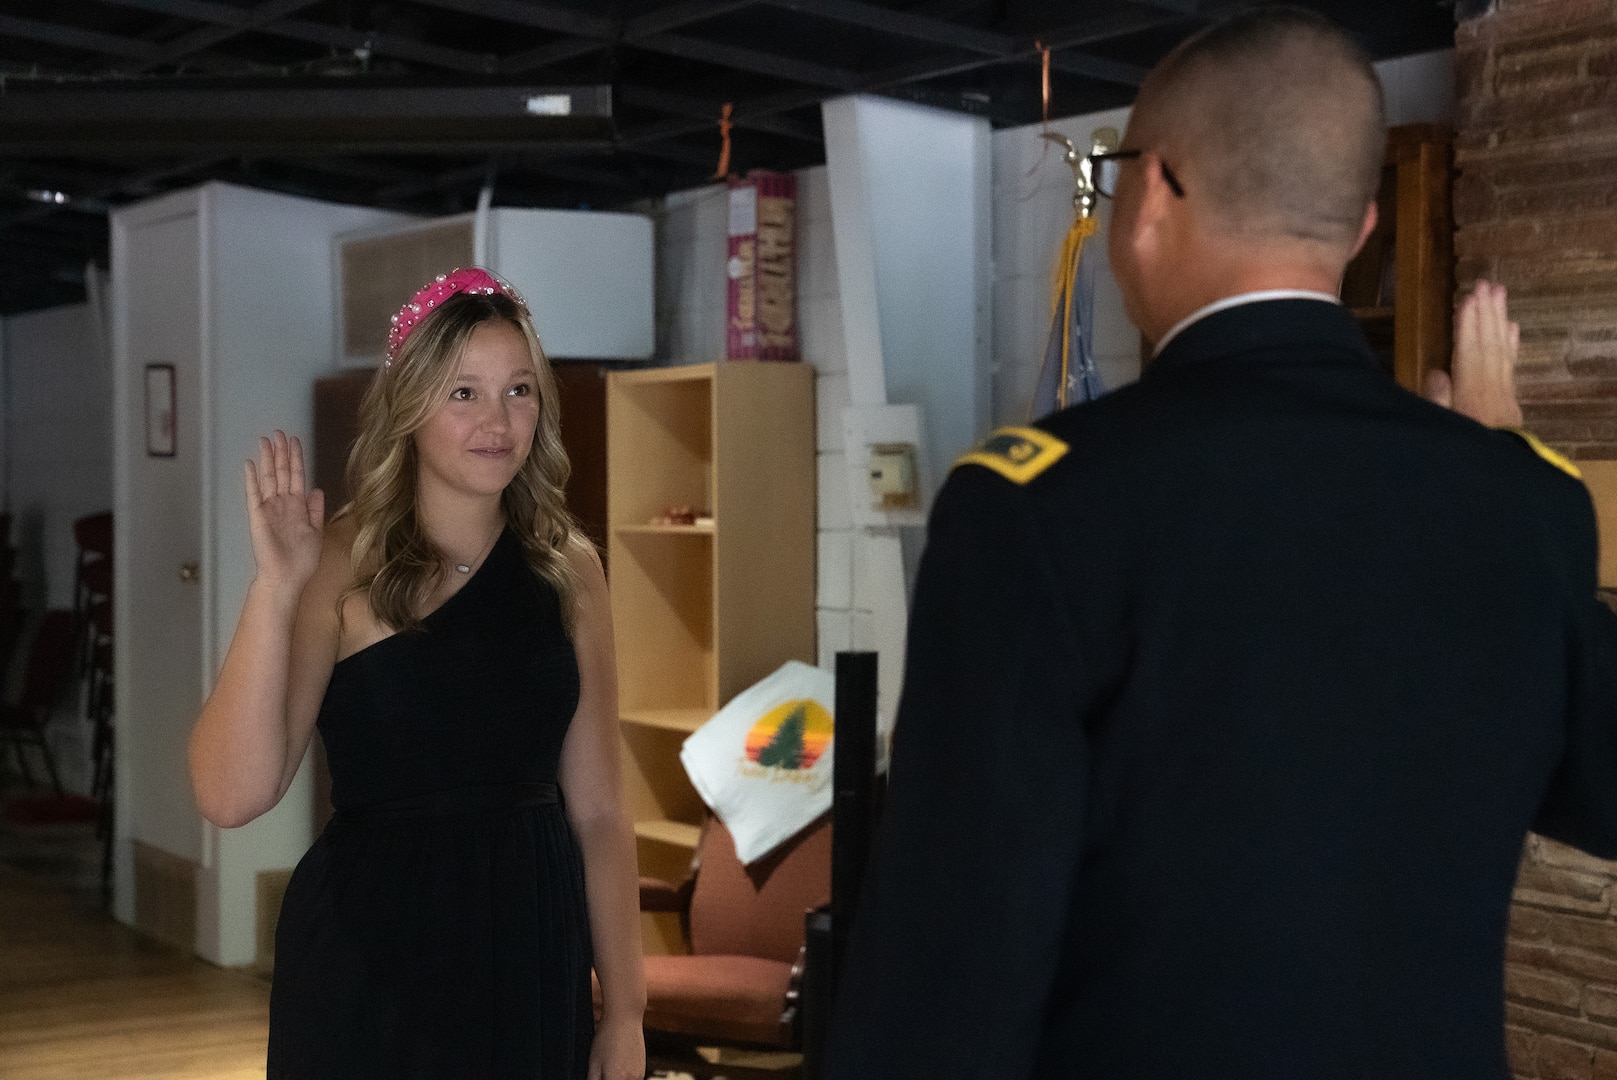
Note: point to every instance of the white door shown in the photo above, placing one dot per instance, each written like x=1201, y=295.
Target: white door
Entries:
x=159, y=598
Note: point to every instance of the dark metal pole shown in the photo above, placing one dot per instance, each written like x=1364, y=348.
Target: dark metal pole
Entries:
x=853, y=813
x=854, y=798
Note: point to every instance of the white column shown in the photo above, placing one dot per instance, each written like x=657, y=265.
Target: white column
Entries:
x=910, y=212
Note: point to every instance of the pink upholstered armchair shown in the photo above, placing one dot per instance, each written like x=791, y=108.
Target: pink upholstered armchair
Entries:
x=744, y=926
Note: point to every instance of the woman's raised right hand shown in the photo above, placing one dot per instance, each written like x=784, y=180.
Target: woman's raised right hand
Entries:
x=286, y=520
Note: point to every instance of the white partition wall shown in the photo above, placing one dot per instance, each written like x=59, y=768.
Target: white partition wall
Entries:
x=910, y=217
x=225, y=293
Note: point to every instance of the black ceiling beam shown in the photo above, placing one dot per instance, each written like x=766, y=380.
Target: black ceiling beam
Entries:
x=111, y=118
x=674, y=16
x=385, y=45
x=589, y=33
x=757, y=61
x=668, y=101
x=629, y=32
x=559, y=20
x=647, y=32
x=1088, y=33
x=144, y=53
x=203, y=11
x=556, y=52
x=71, y=37
x=955, y=36
x=269, y=17
x=206, y=37
x=1182, y=7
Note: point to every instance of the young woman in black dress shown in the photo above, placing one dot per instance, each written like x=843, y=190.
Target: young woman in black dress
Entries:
x=449, y=632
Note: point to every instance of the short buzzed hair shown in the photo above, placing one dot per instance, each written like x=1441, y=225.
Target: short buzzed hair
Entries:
x=1281, y=113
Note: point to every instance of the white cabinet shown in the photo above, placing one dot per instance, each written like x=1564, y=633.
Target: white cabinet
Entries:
x=225, y=293
x=587, y=276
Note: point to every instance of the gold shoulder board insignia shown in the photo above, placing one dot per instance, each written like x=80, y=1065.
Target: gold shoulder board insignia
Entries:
x=1017, y=453
x=1537, y=446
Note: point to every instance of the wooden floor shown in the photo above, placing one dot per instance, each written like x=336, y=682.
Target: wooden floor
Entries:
x=82, y=996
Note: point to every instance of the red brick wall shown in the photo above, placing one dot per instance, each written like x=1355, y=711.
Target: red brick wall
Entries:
x=1535, y=201
x=1535, y=206
x=1561, y=966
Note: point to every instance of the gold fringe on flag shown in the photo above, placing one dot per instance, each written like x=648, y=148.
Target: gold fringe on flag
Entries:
x=1064, y=283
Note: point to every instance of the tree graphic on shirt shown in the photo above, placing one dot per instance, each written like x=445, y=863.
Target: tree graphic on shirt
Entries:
x=785, y=750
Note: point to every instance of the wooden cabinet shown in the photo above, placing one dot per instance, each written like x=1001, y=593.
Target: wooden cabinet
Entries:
x=702, y=609
x=1401, y=285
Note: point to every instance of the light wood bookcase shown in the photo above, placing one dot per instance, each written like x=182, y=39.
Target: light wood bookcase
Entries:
x=701, y=612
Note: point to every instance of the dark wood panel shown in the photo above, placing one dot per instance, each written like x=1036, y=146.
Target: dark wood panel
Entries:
x=336, y=424
x=582, y=390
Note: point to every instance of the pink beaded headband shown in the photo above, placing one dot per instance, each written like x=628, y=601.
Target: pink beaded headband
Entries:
x=472, y=279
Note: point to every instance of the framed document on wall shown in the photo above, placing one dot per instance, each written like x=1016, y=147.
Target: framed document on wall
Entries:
x=160, y=420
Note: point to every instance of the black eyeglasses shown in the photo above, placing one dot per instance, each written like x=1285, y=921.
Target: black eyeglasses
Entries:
x=1106, y=167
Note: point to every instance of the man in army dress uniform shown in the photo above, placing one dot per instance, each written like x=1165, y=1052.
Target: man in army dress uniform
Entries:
x=1231, y=697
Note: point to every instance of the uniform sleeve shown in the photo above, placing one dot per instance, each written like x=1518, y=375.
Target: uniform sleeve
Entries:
x=960, y=926
x=1580, y=807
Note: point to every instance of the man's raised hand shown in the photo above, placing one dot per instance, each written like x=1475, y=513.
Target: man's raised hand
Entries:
x=1481, y=381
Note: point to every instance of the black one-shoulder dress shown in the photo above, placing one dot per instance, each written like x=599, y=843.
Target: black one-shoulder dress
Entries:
x=437, y=928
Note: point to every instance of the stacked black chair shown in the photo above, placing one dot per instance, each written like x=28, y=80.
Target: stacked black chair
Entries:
x=22, y=725
x=92, y=621
x=13, y=620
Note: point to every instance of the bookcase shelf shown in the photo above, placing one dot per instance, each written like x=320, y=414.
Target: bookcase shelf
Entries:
x=700, y=614
x=682, y=720
x=667, y=530
x=1401, y=284
x=675, y=834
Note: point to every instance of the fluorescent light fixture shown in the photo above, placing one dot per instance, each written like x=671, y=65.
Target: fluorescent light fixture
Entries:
x=550, y=105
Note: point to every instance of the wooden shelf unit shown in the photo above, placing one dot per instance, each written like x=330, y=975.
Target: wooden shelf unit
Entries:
x=686, y=720
x=667, y=530
x=676, y=834
x=701, y=612
x=1401, y=285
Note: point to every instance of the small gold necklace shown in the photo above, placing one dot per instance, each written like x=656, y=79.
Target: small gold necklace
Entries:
x=466, y=568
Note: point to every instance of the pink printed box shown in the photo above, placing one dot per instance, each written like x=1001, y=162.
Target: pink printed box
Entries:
x=761, y=311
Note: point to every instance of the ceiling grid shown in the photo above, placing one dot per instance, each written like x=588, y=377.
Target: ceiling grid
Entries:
x=417, y=104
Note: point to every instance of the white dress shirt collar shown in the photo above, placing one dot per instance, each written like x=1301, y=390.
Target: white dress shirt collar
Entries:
x=1236, y=301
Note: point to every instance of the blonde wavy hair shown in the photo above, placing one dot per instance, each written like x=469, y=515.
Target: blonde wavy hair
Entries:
x=396, y=566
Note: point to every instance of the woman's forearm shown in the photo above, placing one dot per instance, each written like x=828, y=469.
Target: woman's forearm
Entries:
x=239, y=745
x=611, y=887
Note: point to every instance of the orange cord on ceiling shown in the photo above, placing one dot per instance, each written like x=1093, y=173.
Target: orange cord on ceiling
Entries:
x=724, y=147
x=1044, y=55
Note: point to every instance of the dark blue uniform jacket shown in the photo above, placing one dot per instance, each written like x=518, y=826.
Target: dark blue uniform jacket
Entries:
x=1220, y=735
